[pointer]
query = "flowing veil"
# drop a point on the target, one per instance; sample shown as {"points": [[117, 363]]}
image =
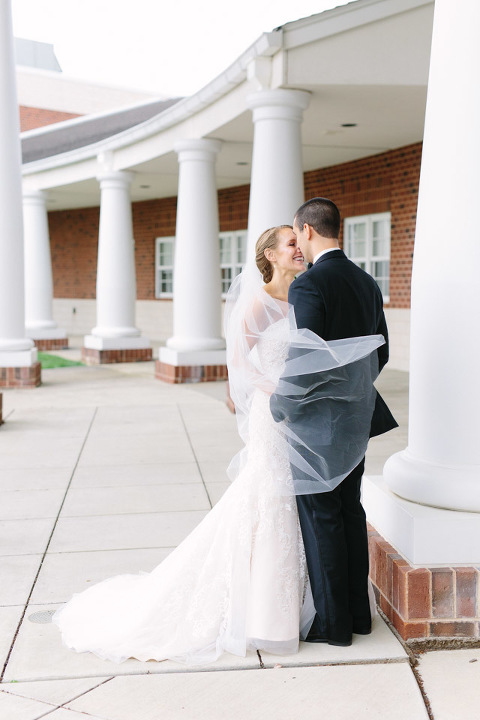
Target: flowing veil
{"points": [[322, 393]]}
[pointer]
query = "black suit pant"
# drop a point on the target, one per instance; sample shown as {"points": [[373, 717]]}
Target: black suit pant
{"points": [[336, 545]]}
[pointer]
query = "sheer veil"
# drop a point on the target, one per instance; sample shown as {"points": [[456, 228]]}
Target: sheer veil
{"points": [[321, 393]]}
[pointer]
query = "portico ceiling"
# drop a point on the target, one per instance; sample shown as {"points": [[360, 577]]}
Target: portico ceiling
{"points": [[365, 64]]}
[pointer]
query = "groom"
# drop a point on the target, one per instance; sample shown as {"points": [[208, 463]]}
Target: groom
{"points": [[336, 299]]}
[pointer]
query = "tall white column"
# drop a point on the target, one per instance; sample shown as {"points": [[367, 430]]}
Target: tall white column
{"points": [[116, 283], [197, 288], [276, 189], [15, 349], [38, 269], [441, 465]]}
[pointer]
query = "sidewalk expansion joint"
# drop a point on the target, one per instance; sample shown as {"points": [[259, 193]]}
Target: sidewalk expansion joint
{"points": [[419, 681], [22, 617], [194, 453], [413, 660]]}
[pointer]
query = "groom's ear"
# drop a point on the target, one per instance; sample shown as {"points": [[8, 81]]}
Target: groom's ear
{"points": [[307, 229]]}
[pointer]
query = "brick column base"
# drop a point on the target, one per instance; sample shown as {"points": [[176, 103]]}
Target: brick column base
{"points": [[21, 377], [102, 357], [51, 344], [436, 602], [189, 373]]}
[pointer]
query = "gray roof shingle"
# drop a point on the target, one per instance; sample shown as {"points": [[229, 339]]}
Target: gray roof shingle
{"points": [[71, 135]]}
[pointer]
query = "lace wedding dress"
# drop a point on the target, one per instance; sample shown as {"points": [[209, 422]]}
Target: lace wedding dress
{"points": [[237, 582]]}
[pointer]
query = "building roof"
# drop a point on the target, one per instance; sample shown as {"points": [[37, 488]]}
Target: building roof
{"points": [[73, 134], [364, 64]]}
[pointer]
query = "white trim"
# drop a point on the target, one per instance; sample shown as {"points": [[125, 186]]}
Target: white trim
{"points": [[235, 266], [344, 18], [192, 357], [426, 536], [368, 259], [159, 295]]}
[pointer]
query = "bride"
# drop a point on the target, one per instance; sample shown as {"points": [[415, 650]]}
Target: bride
{"points": [[239, 580]]}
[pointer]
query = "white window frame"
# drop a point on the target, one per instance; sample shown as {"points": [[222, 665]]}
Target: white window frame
{"points": [[238, 236], [369, 259], [159, 268]]}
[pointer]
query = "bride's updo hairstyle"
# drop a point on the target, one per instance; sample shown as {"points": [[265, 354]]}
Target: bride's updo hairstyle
{"points": [[267, 240]]}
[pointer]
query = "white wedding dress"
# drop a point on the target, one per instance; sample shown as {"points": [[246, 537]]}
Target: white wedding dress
{"points": [[237, 582]]}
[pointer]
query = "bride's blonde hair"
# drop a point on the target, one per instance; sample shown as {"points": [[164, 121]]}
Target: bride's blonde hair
{"points": [[267, 240]]}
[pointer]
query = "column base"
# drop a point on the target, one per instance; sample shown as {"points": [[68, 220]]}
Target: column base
{"points": [[174, 366], [48, 338], [101, 351], [51, 344], [103, 357], [27, 376], [423, 603], [423, 565], [424, 535]]}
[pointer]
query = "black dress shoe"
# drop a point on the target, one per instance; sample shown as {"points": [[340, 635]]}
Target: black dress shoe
{"points": [[362, 630], [329, 641]]}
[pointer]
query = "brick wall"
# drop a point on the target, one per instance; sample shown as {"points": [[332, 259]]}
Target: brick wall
{"points": [[74, 240], [380, 183], [31, 118], [151, 219], [74, 246], [233, 208]]}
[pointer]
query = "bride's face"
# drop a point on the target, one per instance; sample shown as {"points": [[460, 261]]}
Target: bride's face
{"points": [[287, 255]]}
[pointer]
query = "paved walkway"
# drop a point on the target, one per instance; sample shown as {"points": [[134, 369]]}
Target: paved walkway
{"points": [[103, 471]]}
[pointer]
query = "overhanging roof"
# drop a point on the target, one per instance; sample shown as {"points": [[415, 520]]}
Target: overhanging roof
{"points": [[364, 63]]}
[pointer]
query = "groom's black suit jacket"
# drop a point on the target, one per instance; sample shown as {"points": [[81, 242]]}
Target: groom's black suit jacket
{"points": [[336, 299]]}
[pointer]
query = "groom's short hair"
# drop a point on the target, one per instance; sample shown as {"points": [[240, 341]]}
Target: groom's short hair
{"points": [[322, 215]]}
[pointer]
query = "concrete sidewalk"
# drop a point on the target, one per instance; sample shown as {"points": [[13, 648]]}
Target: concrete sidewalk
{"points": [[103, 470]]}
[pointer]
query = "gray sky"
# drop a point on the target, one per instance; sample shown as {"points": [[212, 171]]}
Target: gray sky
{"points": [[172, 47]]}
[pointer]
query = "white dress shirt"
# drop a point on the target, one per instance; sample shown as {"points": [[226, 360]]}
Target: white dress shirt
{"points": [[323, 252]]}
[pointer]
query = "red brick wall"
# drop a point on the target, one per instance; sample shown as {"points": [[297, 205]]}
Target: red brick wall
{"points": [[380, 183], [233, 208], [74, 246], [74, 240], [31, 118], [151, 219]]}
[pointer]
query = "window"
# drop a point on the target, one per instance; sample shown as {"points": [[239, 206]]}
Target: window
{"points": [[233, 253], [367, 244], [164, 267]]}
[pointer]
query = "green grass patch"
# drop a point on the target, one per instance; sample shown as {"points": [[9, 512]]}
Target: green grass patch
{"points": [[53, 361]]}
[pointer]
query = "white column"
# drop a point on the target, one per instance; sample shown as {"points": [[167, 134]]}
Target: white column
{"points": [[276, 189], [38, 269], [197, 288], [116, 283], [15, 349], [441, 465]]}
